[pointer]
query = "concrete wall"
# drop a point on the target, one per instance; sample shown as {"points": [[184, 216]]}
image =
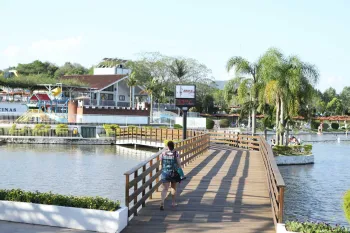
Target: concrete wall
{"points": [[128, 120], [294, 160], [67, 217], [113, 70], [57, 140], [192, 122]]}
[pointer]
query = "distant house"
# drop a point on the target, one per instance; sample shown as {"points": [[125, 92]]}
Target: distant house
{"points": [[108, 87]]}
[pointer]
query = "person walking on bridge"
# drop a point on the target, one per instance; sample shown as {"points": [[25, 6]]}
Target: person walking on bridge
{"points": [[171, 163]]}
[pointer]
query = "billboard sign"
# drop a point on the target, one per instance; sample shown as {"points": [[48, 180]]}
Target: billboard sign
{"points": [[185, 92], [185, 95]]}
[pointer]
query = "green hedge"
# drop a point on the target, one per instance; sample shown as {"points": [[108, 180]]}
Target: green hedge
{"points": [[311, 227], [293, 150], [224, 123], [335, 125], [111, 129], [41, 130], [347, 205], [177, 126], [97, 203], [315, 124], [209, 123]]}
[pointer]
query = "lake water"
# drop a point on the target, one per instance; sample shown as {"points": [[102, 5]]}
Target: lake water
{"points": [[87, 170], [315, 191]]}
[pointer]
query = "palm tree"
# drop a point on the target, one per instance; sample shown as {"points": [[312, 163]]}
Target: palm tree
{"points": [[288, 83], [252, 72], [179, 70], [131, 82], [150, 89]]}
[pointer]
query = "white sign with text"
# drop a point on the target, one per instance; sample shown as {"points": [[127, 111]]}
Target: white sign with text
{"points": [[185, 92]]}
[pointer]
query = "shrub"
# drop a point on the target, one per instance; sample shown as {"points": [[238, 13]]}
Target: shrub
{"points": [[62, 126], [335, 125], [25, 131], [110, 129], [163, 127], [292, 150], [177, 126], [110, 126], [314, 227], [347, 205], [62, 130], [315, 124], [41, 130], [209, 123], [97, 203], [325, 126], [224, 123]]}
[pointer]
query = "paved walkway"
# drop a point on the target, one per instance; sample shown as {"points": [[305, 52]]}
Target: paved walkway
{"points": [[226, 191]]}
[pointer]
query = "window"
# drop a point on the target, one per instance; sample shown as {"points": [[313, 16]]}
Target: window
{"points": [[105, 96], [110, 88], [122, 97]]}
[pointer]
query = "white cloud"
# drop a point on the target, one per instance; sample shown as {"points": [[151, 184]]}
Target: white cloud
{"points": [[11, 51]]}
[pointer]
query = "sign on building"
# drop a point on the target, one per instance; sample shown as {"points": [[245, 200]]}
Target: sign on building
{"points": [[185, 95]]}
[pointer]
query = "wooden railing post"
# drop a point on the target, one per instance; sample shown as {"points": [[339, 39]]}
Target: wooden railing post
{"points": [[280, 205], [127, 187], [150, 176], [143, 182], [157, 170], [135, 189]]}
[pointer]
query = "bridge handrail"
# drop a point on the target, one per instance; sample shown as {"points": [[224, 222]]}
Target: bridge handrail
{"points": [[148, 172], [154, 134], [275, 181]]}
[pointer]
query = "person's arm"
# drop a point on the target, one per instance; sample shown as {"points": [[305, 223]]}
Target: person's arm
{"points": [[178, 159]]}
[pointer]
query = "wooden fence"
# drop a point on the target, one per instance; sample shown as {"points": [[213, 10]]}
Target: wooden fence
{"points": [[236, 140], [153, 135], [143, 179], [274, 179]]}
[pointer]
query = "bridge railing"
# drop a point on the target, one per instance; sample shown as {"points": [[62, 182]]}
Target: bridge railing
{"points": [[143, 180], [236, 140], [153, 135], [275, 181]]}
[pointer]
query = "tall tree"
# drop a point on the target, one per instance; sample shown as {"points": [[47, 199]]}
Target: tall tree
{"points": [[329, 94], [288, 84], [251, 71], [345, 98], [179, 70], [131, 82]]}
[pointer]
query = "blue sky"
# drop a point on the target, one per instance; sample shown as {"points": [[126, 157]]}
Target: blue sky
{"points": [[85, 31]]}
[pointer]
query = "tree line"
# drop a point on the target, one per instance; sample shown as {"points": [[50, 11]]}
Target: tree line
{"points": [[280, 87], [158, 73]]}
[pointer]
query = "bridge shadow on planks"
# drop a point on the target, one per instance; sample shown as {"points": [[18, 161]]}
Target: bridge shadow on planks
{"points": [[226, 191]]}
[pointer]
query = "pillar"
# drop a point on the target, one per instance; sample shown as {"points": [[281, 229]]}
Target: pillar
{"points": [[72, 111]]}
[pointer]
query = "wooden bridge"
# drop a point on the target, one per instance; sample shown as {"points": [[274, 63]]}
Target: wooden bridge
{"points": [[233, 185]]}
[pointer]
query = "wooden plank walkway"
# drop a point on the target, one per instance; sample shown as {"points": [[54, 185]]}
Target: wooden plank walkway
{"points": [[226, 191]]}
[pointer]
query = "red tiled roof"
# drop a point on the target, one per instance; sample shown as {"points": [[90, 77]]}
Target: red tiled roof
{"points": [[43, 97], [96, 81]]}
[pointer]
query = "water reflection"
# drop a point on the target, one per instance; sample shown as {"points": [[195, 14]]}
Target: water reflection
{"points": [[68, 169]]}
